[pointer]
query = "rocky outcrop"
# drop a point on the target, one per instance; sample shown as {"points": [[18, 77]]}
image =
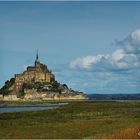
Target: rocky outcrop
{"points": [[64, 93], [1, 97], [51, 95], [10, 98]]}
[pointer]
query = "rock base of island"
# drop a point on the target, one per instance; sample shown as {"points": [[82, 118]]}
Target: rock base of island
{"points": [[44, 96]]}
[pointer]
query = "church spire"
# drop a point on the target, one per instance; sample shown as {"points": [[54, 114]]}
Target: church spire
{"points": [[37, 55], [37, 61]]}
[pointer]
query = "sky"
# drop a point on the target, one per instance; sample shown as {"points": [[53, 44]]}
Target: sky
{"points": [[93, 47]]}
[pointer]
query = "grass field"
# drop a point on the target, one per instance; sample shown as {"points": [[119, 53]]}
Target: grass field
{"points": [[76, 120]]}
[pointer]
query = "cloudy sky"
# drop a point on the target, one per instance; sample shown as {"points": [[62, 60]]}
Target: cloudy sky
{"points": [[91, 46]]}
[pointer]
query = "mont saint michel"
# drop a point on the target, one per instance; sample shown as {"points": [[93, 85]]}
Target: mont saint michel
{"points": [[37, 83], [84, 80]]}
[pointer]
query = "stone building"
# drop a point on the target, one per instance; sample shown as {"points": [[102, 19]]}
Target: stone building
{"points": [[37, 73]]}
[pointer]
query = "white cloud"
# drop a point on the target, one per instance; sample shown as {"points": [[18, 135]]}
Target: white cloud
{"points": [[116, 59], [131, 44], [118, 55], [126, 58], [87, 61], [136, 36]]}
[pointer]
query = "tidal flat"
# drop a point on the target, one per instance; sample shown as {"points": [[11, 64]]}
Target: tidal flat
{"points": [[75, 120]]}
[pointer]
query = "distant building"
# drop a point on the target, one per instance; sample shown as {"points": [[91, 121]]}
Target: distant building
{"points": [[37, 73]]}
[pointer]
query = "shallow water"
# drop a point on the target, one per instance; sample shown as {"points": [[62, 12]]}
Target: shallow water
{"points": [[28, 108]]}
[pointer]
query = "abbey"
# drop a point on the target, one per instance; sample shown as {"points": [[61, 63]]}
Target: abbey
{"points": [[37, 73], [37, 83]]}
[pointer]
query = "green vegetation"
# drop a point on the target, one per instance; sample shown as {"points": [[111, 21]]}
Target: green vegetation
{"points": [[85, 119], [21, 94], [5, 89]]}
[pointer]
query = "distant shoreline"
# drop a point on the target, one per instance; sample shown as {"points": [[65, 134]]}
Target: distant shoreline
{"points": [[114, 96]]}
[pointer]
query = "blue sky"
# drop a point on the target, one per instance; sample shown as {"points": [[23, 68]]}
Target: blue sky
{"points": [[92, 46]]}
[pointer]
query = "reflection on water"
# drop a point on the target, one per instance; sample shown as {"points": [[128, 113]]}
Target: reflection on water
{"points": [[29, 108]]}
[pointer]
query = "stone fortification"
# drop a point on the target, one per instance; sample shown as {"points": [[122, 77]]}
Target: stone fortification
{"points": [[37, 83], [37, 73]]}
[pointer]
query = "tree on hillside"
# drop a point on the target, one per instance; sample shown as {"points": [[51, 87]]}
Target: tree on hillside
{"points": [[5, 89]]}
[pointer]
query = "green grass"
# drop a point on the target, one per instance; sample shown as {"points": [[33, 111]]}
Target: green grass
{"points": [[83, 119]]}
